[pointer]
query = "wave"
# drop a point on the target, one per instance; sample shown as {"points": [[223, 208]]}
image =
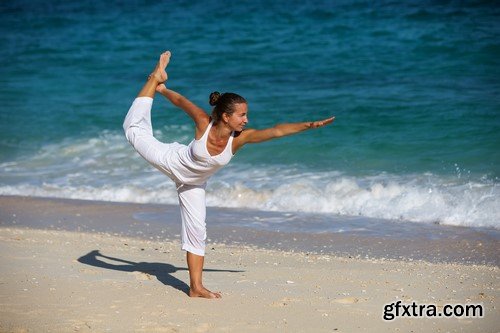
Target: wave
{"points": [[106, 168], [423, 198], [470, 204]]}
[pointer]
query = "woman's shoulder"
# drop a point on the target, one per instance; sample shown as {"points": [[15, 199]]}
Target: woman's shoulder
{"points": [[202, 126], [243, 134]]}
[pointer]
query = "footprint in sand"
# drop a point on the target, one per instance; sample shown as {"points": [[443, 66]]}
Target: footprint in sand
{"points": [[89, 271], [284, 302], [346, 300], [204, 327], [152, 328]]}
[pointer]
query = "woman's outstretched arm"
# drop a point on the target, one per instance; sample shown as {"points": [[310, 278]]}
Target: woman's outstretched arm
{"points": [[280, 130], [199, 116]]}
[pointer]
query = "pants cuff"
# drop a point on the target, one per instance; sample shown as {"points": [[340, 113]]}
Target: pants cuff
{"points": [[189, 248]]}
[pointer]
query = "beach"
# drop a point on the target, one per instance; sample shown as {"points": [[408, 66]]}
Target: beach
{"points": [[69, 275], [386, 220]]}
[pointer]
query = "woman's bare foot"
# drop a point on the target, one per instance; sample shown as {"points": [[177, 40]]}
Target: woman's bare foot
{"points": [[203, 292], [159, 74]]}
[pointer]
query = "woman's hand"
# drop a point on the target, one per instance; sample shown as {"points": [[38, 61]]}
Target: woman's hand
{"points": [[321, 123], [161, 88]]}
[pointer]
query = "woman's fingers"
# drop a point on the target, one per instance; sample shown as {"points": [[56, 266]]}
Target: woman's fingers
{"points": [[329, 120], [324, 122]]}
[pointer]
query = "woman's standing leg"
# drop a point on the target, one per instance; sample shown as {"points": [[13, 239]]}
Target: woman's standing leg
{"points": [[196, 288], [193, 213]]}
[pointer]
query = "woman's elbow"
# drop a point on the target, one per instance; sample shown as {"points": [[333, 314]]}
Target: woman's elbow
{"points": [[177, 100], [277, 132]]}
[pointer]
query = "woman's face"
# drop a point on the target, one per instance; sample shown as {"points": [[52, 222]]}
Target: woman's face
{"points": [[238, 119]]}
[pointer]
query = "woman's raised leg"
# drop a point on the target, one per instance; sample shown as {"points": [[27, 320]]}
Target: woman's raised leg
{"points": [[159, 75], [137, 124]]}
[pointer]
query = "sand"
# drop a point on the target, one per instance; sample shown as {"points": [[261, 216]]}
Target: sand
{"points": [[90, 281]]}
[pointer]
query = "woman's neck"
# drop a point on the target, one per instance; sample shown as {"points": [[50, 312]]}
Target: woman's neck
{"points": [[221, 130]]}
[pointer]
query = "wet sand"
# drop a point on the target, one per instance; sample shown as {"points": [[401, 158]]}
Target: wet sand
{"points": [[340, 236]]}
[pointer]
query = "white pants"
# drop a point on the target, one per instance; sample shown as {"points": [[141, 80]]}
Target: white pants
{"points": [[193, 214], [139, 133]]}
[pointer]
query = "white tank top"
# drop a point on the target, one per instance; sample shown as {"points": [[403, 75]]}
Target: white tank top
{"points": [[193, 164]]}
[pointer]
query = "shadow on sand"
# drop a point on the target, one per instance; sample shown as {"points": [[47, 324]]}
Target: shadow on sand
{"points": [[162, 271]]}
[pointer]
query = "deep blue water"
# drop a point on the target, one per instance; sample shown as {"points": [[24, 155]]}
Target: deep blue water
{"points": [[414, 86]]}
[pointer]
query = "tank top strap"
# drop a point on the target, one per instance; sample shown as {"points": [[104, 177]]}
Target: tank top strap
{"points": [[229, 146], [204, 137]]}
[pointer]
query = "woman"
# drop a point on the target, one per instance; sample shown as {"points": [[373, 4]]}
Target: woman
{"points": [[217, 138]]}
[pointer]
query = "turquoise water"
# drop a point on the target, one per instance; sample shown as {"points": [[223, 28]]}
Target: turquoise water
{"points": [[414, 87]]}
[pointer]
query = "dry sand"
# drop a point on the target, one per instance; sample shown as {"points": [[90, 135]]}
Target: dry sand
{"points": [[52, 281]]}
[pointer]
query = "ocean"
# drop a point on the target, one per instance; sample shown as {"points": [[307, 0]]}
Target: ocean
{"points": [[414, 86]]}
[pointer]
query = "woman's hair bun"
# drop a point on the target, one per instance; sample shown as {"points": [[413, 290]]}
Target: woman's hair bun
{"points": [[214, 97]]}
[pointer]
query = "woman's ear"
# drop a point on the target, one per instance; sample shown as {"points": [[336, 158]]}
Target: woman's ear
{"points": [[225, 118]]}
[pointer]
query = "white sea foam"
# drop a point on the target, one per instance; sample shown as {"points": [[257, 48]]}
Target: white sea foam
{"points": [[106, 168], [425, 199]]}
